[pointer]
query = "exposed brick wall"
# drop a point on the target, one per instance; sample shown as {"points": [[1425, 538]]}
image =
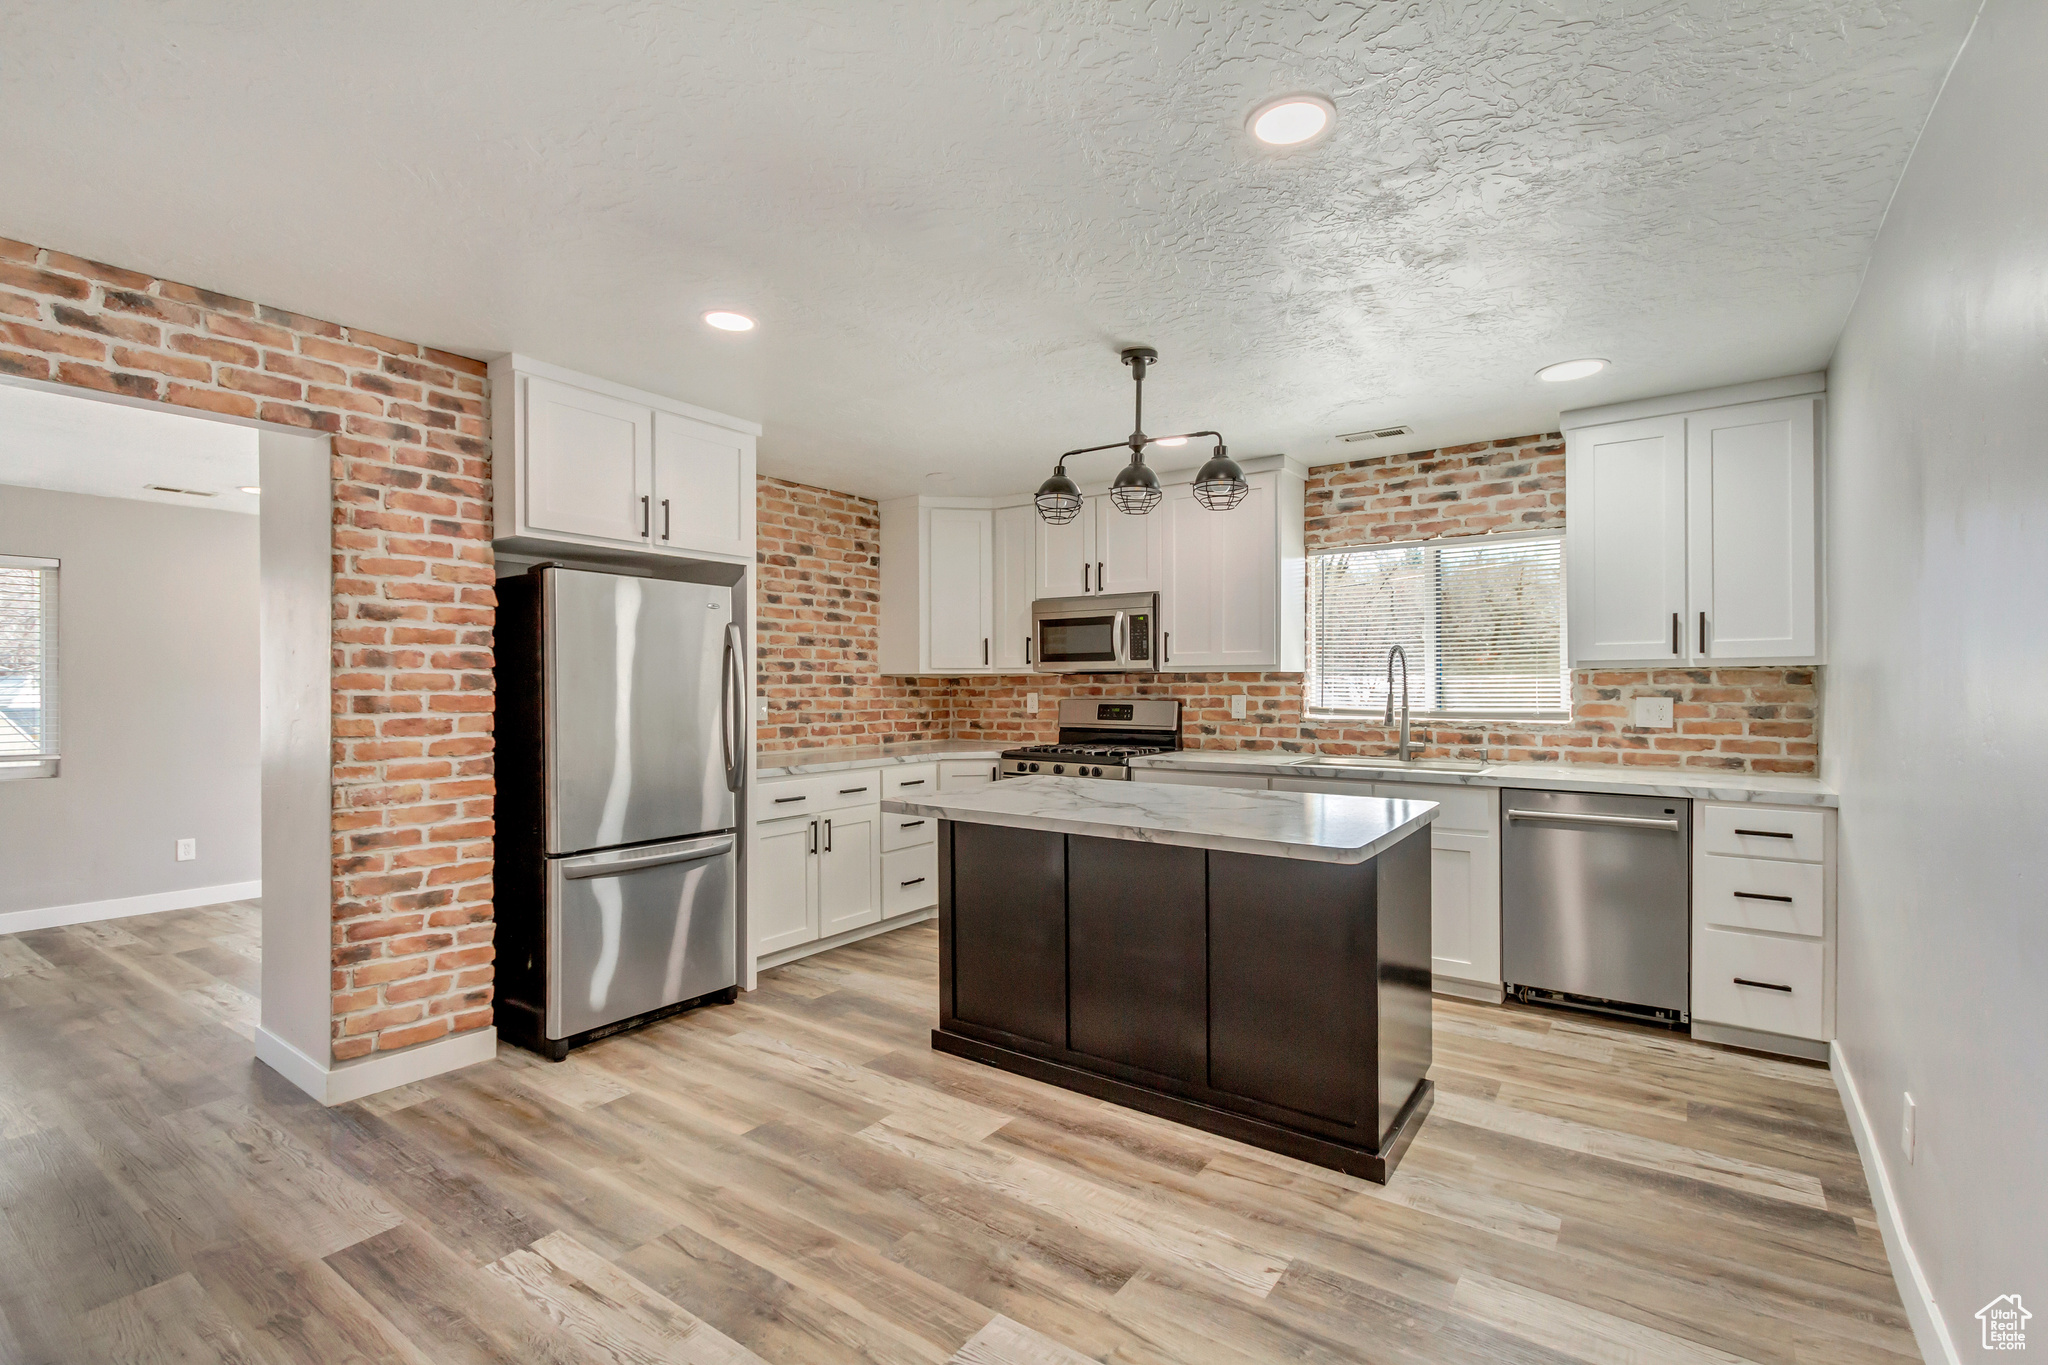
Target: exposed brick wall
{"points": [[1729, 719], [413, 599], [816, 633]]}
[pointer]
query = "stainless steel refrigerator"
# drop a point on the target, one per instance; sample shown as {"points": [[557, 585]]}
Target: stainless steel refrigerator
{"points": [[621, 732]]}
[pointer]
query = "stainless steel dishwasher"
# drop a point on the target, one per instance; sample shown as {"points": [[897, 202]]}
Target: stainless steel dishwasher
{"points": [[1596, 901]]}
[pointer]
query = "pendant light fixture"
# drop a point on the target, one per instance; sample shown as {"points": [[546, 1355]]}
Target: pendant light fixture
{"points": [[1219, 486]]}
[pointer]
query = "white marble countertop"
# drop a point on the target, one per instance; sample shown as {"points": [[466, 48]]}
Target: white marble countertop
{"points": [[1306, 825], [1763, 788], [830, 759]]}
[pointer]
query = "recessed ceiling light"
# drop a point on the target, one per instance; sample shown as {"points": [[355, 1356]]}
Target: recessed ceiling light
{"points": [[1291, 120], [730, 322], [1570, 369], [1171, 441], [250, 488]]}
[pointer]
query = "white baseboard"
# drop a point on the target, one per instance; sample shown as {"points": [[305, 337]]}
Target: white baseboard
{"points": [[351, 1080], [1486, 993], [1756, 1040], [85, 912], [1936, 1347], [777, 959]]}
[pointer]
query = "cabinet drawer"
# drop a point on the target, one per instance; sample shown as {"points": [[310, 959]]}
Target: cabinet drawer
{"points": [[1786, 973], [960, 773], [1471, 809], [910, 779], [856, 788], [1758, 893], [910, 879], [1764, 832], [905, 831], [780, 798]]}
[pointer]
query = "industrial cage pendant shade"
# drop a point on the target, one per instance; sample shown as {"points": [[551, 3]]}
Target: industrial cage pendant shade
{"points": [[1219, 485]]}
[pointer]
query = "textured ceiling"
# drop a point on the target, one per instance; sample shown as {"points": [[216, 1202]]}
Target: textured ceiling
{"points": [[948, 215], [114, 450]]}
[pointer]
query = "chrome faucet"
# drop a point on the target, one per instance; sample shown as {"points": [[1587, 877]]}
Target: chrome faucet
{"points": [[1398, 653]]}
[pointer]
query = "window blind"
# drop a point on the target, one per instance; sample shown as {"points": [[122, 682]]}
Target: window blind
{"points": [[28, 663], [1481, 621]]}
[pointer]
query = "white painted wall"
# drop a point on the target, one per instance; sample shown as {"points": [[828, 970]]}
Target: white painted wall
{"points": [[1937, 717], [157, 671]]}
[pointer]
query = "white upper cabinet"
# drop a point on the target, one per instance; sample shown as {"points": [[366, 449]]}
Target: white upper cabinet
{"points": [[1015, 534], [588, 463], [1625, 540], [1693, 536], [582, 464], [1751, 528], [1233, 581], [1102, 550], [961, 577]]}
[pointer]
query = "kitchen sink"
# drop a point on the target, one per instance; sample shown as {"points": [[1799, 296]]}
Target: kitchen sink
{"points": [[1395, 765]]}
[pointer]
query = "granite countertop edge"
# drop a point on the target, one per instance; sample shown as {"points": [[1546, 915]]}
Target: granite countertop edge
{"points": [[799, 762]]}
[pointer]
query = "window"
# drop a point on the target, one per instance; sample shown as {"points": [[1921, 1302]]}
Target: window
{"points": [[1480, 621], [28, 667]]}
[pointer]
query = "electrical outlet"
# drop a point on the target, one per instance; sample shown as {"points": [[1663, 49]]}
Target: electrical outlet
{"points": [[1237, 706], [1651, 713], [188, 849], [1030, 703], [1907, 1112]]}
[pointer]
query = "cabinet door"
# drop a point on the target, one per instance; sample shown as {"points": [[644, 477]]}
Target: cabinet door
{"points": [[1243, 579], [1064, 555], [782, 885], [588, 463], [1130, 551], [959, 569], [1013, 587], [703, 487], [1464, 887], [1186, 601], [1750, 512], [1625, 541], [849, 876]]}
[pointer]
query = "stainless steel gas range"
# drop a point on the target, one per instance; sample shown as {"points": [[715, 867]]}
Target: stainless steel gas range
{"points": [[1098, 738]]}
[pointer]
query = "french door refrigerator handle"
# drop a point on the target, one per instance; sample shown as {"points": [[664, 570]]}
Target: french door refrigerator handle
{"points": [[728, 708], [1588, 818]]}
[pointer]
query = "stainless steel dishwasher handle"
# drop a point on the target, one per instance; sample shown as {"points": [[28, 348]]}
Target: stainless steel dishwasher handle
{"points": [[638, 859], [1583, 818]]}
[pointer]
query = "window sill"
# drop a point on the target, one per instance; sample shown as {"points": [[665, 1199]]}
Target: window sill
{"points": [[18, 772], [1376, 719]]}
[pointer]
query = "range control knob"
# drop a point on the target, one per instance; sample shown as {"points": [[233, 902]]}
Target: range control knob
{"points": [[1096, 773], [1059, 767], [1034, 767]]}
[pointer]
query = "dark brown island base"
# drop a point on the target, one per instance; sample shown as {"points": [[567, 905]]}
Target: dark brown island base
{"points": [[1280, 998]]}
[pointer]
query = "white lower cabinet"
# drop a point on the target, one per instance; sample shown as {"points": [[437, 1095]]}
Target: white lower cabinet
{"points": [[1763, 925], [838, 864]]}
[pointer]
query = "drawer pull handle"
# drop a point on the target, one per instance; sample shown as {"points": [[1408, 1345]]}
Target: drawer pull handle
{"points": [[1762, 985], [851, 791], [1768, 833], [785, 800], [913, 782], [912, 882], [910, 824], [1760, 896]]}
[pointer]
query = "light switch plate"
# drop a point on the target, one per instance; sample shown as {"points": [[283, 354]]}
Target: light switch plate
{"points": [[761, 710], [1237, 706], [188, 849], [1651, 713], [1030, 703]]}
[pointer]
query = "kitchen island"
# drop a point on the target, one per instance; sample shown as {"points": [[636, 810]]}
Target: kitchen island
{"points": [[1254, 964]]}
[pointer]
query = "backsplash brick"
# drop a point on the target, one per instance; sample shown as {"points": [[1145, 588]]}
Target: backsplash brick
{"points": [[414, 604], [818, 641]]}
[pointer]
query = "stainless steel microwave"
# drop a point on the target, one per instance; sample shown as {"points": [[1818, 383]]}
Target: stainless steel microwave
{"points": [[1106, 634]]}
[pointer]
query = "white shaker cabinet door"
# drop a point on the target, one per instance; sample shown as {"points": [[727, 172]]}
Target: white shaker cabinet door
{"points": [[849, 869], [1014, 535], [1464, 857], [588, 463], [1065, 555], [1625, 541], [1755, 566], [960, 564], [703, 487], [1187, 615], [782, 885], [1130, 551]]}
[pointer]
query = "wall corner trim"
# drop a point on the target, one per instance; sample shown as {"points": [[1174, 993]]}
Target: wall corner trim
{"points": [[1929, 1330], [353, 1080], [156, 902]]}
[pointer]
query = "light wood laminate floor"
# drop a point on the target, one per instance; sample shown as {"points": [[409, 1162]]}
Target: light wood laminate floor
{"points": [[800, 1178]]}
